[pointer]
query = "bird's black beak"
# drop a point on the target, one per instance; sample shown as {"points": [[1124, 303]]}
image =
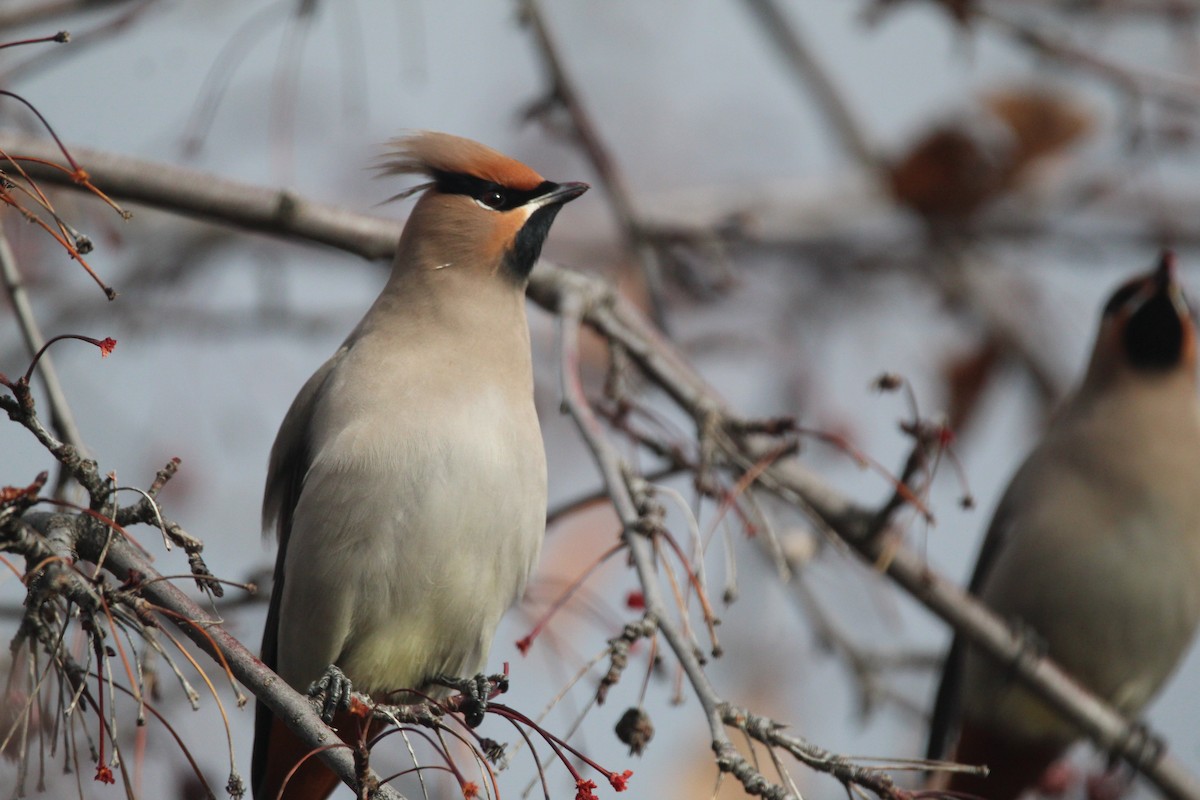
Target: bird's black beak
{"points": [[1164, 282], [1155, 322], [563, 193], [1165, 277]]}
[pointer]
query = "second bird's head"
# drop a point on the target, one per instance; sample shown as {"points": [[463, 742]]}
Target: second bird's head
{"points": [[1147, 328], [480, 211]]}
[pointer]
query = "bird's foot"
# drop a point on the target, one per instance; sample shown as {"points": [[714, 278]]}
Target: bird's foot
{"points": [[475, 693], [333, 689], [1143, 745]]}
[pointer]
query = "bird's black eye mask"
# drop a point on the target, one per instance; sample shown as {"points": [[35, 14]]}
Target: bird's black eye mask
{"points": [[491, 194], [1123, 295]]}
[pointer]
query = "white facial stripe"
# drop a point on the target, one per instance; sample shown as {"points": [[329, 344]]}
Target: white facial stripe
{"points": [[537, 202], [527, 209]]}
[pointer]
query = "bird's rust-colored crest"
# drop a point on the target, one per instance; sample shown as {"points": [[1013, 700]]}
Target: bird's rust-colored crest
{"points": [[430, 152]]}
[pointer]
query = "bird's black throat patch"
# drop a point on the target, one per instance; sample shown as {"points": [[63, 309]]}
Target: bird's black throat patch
{"points": [[527, 245], [1154, 335]]}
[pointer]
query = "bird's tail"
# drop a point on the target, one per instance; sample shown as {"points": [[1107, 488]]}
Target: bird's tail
{"points": [[1013, 767], [311, 780]]}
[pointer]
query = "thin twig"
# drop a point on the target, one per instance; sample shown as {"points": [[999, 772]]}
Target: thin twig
{"points": [[784, 33], [61, 418], [641, 549], [615, 185], [1139, 81]]}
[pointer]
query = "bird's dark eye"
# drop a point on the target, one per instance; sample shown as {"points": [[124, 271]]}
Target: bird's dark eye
{"points": [[492, 198]]}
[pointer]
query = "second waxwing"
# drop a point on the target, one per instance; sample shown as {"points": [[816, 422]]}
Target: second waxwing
{"points": [[1094, 547]]}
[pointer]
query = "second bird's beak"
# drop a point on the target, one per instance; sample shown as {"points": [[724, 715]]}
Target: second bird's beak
{"points": [[1164, 276], [1165, 282]]}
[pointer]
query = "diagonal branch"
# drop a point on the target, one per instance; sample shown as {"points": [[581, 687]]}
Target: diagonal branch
{"points": [[789, 479], [629, 495], [53, 542], [127, 564]]}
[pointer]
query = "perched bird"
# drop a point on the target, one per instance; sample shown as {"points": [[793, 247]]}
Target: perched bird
{"points": [[407, 483], [1094, 547]]}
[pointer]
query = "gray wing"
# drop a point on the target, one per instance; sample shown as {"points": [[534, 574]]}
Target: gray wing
{"points": [[290, 456], [290, 459], [947, 708]]}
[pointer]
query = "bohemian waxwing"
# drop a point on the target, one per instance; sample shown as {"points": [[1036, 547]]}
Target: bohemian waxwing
{"points": [[407, 483], [1095, 546]]}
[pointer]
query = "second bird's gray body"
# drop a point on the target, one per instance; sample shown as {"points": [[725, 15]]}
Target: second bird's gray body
{"points": [[1096, 548]]}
